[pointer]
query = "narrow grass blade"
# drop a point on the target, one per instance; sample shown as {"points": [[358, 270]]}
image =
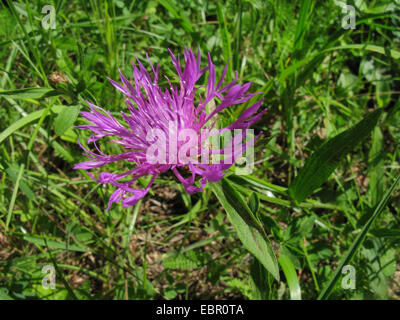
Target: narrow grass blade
{"points": [[33, 45], [302, 24], [22, 167], [14, 195], [171, 8], [357, 243], [29, 93], [226, 39], [60, 273], [255, 182], [22, 122], [13, 171], [291, 277], [54, 244]]}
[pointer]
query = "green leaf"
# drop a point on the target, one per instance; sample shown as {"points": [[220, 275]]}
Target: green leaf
{"points": [[259, 184], [29, 93], [65, 119], [386, 233], [254, 203], [382, 90], [170, 293], [395, 54], [372, 251], [4, 294], [20, 123], [324, 160], [258, 281], [53, 244], [388, 262], [80, 232], [291, 277], [376, 167], [248, 228], [356, 244], [62, 152], [240, 285], [187, 260]]}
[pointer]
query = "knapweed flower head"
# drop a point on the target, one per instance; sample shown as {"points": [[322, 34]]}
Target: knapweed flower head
{"points": [[170, 129]]}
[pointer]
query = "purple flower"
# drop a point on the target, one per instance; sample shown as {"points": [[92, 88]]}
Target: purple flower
{"points": [[157, 117]]}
